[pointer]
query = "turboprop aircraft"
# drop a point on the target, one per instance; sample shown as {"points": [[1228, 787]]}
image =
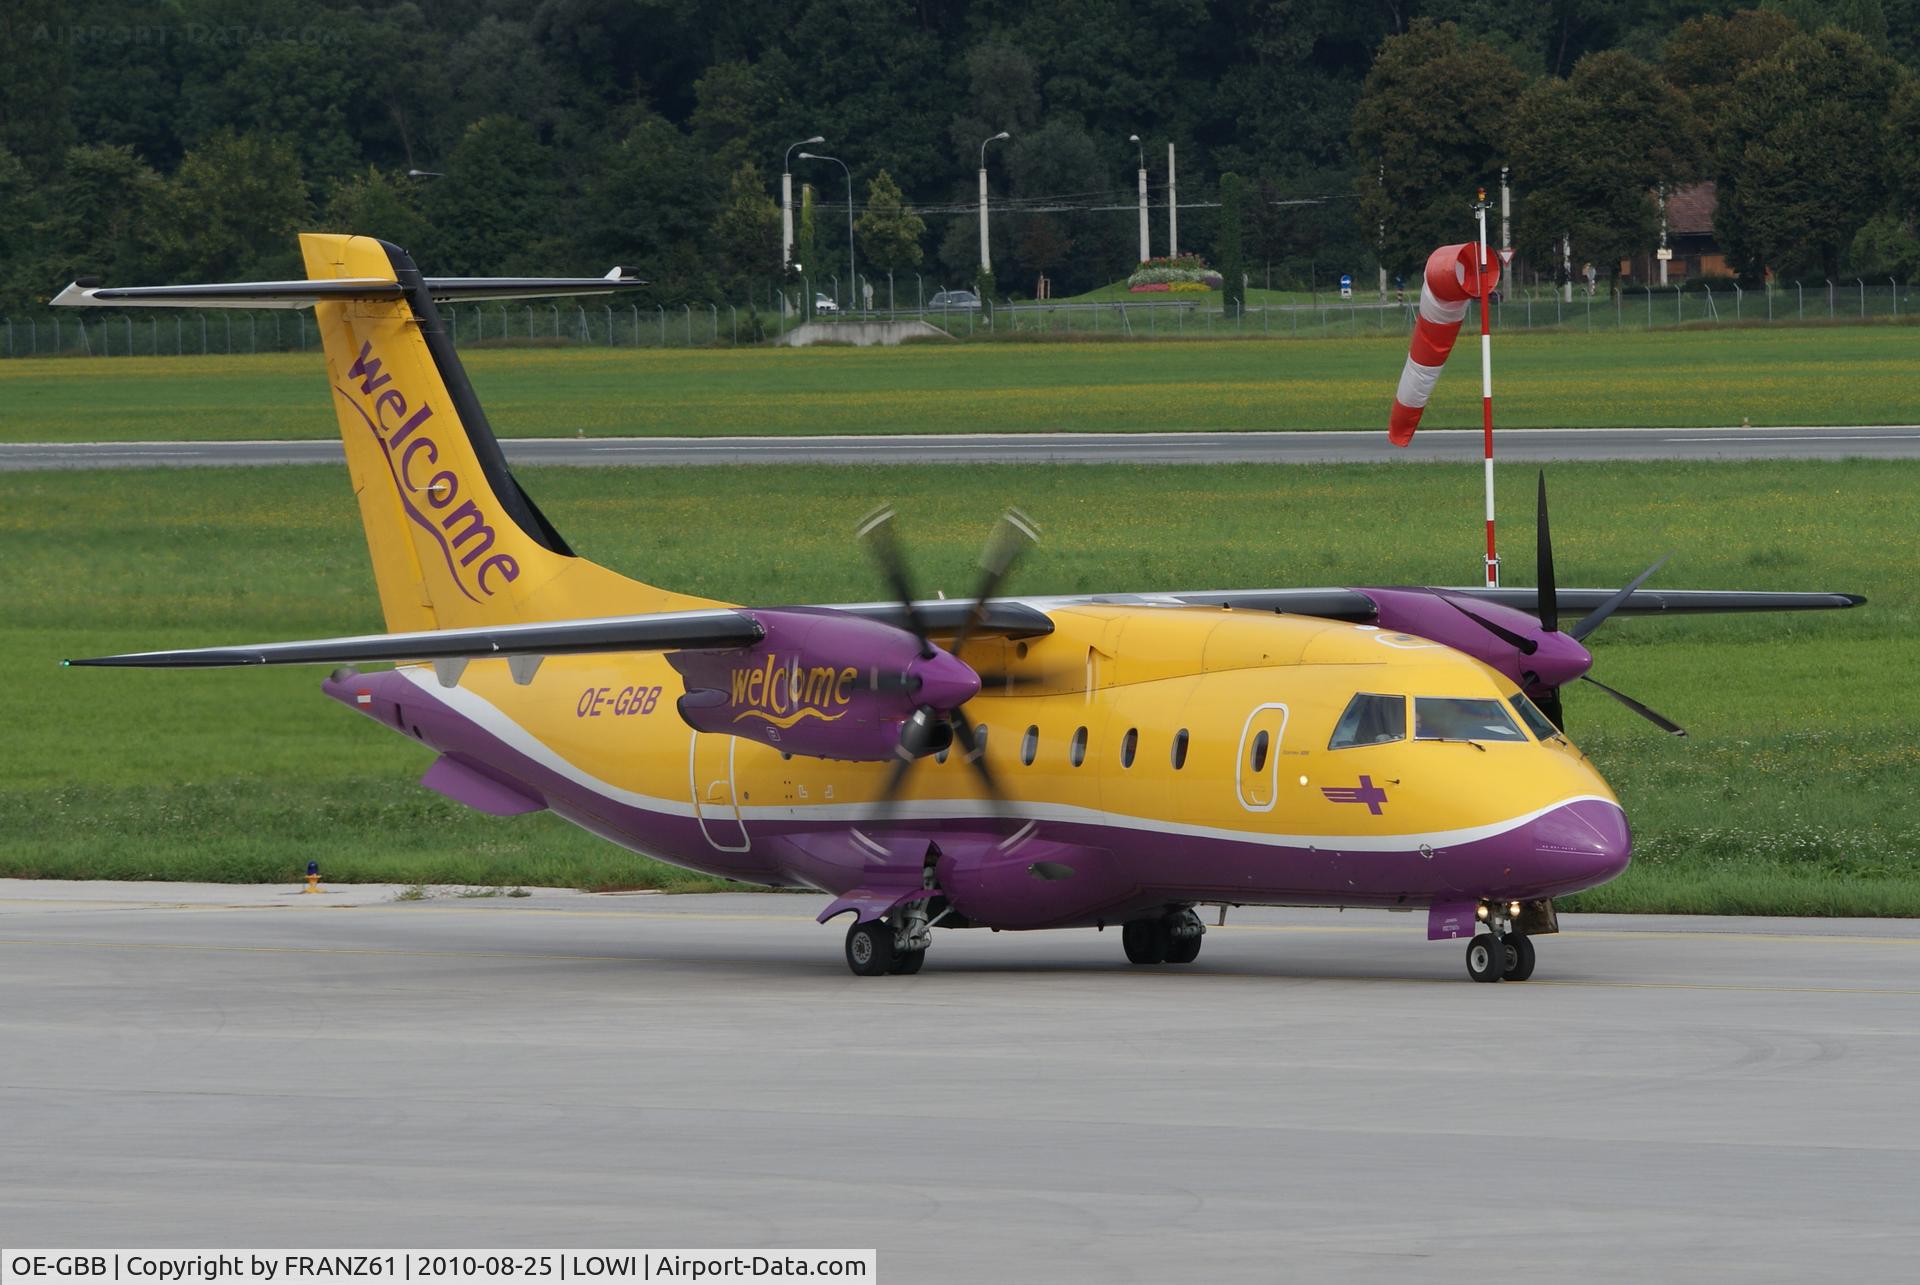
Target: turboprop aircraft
{"points": [[997, 762]]}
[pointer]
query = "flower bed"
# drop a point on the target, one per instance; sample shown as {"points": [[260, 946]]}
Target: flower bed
{"points": [[1186, 272]]}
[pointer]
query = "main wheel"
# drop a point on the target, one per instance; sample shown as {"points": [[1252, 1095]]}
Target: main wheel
{"points": [[908, 962], [870, 948], [1184, 950], [1518, 964], [1146, 941], [1486, 959]]}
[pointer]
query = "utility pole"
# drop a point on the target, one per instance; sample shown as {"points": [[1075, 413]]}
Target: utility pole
{"points": [[1146, 251], [1566, 266], [1380, 234], [1173, 209], [986, 256], [786, 201], [1506, 216], [1666, 255]]}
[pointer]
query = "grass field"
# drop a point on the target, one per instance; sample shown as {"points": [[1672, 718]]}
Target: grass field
{"points": [[1807, 375], [1795, 793]]}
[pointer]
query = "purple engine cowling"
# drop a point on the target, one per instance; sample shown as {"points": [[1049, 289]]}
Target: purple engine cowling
{"points": [[820, 683], [1427, 613]]}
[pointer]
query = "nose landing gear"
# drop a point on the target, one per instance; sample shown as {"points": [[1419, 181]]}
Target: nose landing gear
{"points": [[1504, 954]]}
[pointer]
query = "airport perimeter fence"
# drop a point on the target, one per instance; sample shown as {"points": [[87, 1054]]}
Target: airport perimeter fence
{"points": [[165, 332]]}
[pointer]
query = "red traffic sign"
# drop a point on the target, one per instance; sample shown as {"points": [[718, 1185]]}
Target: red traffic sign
{"points": [[1506, 258]]}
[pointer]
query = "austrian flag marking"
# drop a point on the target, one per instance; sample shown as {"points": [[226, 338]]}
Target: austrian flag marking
{"points": [[1366, 792], [363, 697]]}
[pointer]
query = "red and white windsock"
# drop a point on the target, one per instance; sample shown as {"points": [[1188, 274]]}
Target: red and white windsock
{"points": [[1450, 281]]}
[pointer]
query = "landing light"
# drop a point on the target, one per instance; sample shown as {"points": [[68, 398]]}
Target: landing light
{"points": [[1303, 780], [1480, 911], [1513, 909]]}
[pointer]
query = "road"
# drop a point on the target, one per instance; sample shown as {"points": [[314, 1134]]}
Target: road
{"points": [[1523, 444], [1321, 1097]]}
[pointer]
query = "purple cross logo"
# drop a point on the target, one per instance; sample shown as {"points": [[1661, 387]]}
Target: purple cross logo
{"points": [[1366, 792]]}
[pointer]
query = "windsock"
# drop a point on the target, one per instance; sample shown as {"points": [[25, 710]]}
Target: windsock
{"points": [[1449, 282]]}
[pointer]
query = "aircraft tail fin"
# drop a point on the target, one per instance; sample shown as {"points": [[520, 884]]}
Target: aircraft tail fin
{"points": [[456, 542]]}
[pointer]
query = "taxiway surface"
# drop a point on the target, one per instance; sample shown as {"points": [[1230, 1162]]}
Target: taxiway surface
{"points": [[1321, 1097], [1517, 444]]}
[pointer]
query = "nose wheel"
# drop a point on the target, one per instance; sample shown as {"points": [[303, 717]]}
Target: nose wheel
{"points": [[1494, 957]]}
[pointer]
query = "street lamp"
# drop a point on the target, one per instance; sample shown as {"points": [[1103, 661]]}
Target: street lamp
{"points": [[986, 260], [1145, 249], [425, 174], [853, 278], [786, 198]]}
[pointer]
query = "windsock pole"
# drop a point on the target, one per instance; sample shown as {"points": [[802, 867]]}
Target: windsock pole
{"points": [[1486, 384]]}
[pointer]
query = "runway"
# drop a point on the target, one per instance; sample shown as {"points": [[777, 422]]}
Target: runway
{"points": [[1321, 1097], [1519, 444]]}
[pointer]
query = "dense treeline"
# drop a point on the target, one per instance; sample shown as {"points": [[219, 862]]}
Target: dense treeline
{"points": [[190, 139]]}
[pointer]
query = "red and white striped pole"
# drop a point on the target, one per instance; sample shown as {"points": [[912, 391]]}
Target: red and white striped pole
{"points": [[1486, 382]]}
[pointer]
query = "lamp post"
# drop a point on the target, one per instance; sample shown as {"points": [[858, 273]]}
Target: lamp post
{"points": [[1173, 209], [986, 259], [853, 278], [1146, 251], [786, 199]]}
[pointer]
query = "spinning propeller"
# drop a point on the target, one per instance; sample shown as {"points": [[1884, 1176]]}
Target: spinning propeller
{"points": [[930, 729], [1548, 609]]}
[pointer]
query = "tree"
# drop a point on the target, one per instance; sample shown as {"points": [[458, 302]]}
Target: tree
{"points": [[889, 232], [497, 210], [233, 211], [1425, 132], [1800, 169], [1588, 153], [1706, 55], [1229, 251], [381, 204], [747, 233]]}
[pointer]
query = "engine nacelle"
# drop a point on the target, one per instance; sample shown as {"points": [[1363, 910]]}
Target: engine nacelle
{"points": [[821, 683]]}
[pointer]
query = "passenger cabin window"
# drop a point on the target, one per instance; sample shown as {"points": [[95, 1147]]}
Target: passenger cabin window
{"points": [[1258, 754], [1030, 746], [1370, 720], [1179, 749], [1446, 718], [1537, 722], [1129, 746], [1077, 748]]}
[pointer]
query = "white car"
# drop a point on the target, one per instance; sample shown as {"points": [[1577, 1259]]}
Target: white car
{"points": [[823, 304]]}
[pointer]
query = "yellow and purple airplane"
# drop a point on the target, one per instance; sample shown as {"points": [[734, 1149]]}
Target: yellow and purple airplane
{"points": [[998, 762]]}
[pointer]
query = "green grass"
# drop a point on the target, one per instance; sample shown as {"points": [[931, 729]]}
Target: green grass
{"points": [[1809, 375], [1794, 795]]}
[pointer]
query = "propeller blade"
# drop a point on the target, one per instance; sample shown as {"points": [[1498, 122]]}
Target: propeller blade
{"points": [[1598, 616], [1658, 720], [1549, 605], [890, 792], [1011, 536], [976, 751], [877, 531], [1527, 646]]}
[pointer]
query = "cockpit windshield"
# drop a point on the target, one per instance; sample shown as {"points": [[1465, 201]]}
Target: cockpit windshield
{"points": [[1370, 720], [1447, 718]]}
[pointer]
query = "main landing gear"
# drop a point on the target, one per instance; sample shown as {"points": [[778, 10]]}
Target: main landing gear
{"points": [[1504, 954], [876, 947], [1170, 939]]}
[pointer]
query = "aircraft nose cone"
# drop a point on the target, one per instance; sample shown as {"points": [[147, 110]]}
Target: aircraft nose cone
{"points": [[946, 681], [1581, 844], [1559, 661]]}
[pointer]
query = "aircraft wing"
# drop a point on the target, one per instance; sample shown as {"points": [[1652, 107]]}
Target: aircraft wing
{"points": [[726, 627], [720, 627]]}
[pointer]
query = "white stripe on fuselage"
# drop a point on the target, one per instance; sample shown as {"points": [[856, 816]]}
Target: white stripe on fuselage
{"points": [[494, 721]]}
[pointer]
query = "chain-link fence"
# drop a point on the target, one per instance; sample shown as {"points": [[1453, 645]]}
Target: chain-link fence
{"points": [[156, 332]]}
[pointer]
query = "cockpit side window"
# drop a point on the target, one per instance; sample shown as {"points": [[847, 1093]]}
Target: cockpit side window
{"points": [[1447, 718], [1370, 720], [1538, 723]]}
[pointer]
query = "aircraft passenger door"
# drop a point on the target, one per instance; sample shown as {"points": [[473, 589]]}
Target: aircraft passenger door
{"points": [[1258, 778], [716, 804]]}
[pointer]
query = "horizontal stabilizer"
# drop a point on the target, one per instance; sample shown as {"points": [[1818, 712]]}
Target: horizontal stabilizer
{"points": [[304, 294]]}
